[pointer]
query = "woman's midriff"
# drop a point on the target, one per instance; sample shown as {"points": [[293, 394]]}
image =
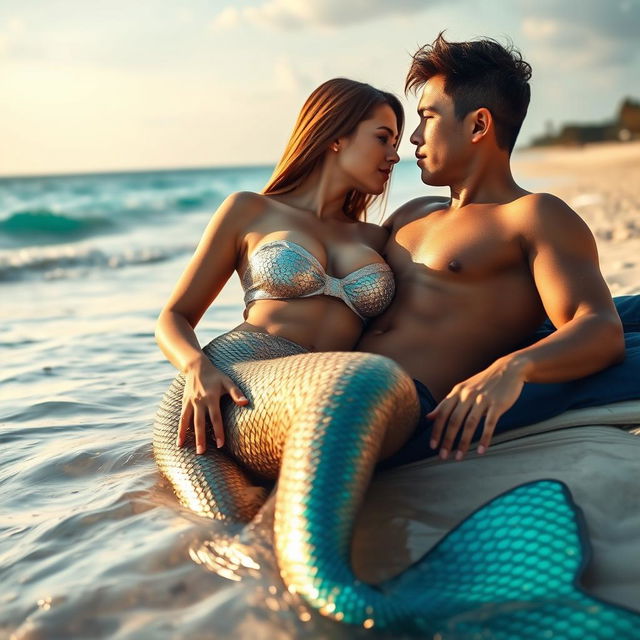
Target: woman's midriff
{"points": [[320, 323]]}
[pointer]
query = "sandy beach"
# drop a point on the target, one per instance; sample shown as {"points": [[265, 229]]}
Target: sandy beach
{"points": [[602, 183]]}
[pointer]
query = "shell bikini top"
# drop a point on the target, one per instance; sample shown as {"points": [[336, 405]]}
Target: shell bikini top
{"points": [[283, 269]]}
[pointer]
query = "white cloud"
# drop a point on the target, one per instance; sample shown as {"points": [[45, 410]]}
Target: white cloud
{"points": [[583, 33], [294, 14], [185, 16], [286, 77], [538, 27], [11, 34], [16, 26], [566, 47], [228, 18]]}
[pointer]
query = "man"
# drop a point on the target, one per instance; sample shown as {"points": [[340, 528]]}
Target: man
{"points": [[476, 273]]}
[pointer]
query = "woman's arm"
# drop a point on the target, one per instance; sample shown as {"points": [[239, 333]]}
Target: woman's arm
{"points": [[209, 269]]}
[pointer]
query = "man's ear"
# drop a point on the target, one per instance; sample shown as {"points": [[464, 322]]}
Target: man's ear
{"points": [[481, 123]]}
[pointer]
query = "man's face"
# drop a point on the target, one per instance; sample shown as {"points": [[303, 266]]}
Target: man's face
{"points": [[441, 146]]}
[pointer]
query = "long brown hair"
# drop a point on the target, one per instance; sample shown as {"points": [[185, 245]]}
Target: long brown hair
{"points": [[332, 111]]}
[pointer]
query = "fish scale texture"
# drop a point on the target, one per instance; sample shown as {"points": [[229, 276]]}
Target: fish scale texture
{"points": [[316, 421], [511, 569], [283, 269]]}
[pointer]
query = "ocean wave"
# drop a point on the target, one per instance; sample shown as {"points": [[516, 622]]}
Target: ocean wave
{"points": [[187, 202], [68, 261], [84, 199], [41, 222], [56, 224]]}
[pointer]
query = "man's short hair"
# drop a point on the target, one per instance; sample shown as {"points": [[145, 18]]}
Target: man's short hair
{"points": [[478, 73]]}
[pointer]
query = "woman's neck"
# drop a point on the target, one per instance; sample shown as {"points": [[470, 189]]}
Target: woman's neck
{"points": [[322, 193]]}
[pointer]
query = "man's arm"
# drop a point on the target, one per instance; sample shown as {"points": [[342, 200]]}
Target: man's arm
{"points": [[564, 263]]}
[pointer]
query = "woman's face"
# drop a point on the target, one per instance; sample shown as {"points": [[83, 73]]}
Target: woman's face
{"points": [[369, 153]]}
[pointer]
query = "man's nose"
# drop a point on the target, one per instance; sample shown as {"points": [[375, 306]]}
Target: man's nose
{"points": [[416, 138]]}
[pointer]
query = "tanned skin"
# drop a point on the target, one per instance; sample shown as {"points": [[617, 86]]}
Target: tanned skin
{"points": [[477, 272]]}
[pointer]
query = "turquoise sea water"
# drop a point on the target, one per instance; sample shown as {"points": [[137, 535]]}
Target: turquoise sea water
{"points": [[92, 542]]}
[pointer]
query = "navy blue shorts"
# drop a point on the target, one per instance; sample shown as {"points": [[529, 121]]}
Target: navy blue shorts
{"points": [[417, 446], [537, 402]]}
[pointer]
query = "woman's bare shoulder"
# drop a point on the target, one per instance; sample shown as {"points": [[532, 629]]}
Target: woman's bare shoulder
{"points": [[245, 201], [238, 210]]}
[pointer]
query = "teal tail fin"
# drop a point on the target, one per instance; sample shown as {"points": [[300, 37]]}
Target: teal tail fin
{"points": [[511, 570]]}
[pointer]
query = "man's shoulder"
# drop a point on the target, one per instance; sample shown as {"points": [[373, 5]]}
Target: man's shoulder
{"points": [[543, 215], [374, 235], [415, 209], [543, 206]]}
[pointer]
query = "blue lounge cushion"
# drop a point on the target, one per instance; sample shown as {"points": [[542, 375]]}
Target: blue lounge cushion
{"points": [[628, 308], [615, 384]]}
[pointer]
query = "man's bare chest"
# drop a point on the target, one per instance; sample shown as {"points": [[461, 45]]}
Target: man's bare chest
{"points": [[461, 247]]}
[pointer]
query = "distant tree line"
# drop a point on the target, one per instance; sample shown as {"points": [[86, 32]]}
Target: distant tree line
{"points": [[625, 127]]}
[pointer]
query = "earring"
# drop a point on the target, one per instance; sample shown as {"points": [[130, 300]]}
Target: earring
{"points": [[334, 147]]}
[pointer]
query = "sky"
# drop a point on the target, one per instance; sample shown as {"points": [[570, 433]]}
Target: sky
{"points": [[88, 85]]}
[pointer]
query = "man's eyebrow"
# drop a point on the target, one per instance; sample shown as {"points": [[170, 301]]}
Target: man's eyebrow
{"points": [[391, 132], [427, 108]]}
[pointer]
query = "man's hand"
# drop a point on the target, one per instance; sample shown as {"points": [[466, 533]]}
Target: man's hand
{"points": [[487, 394]]}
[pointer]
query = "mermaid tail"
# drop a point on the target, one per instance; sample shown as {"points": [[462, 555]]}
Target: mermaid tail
{"points": [[286, 387], [512, 570], [317, 422], [213, 486]]}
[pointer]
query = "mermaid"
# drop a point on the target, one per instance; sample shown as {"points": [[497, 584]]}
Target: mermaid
{"points": [[313, 275]]}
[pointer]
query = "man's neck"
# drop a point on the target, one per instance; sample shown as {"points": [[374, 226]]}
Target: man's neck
{"points": [[487, 181]]}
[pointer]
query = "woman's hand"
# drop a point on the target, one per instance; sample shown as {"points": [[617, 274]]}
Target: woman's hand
{"points": [[204, 386]]}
